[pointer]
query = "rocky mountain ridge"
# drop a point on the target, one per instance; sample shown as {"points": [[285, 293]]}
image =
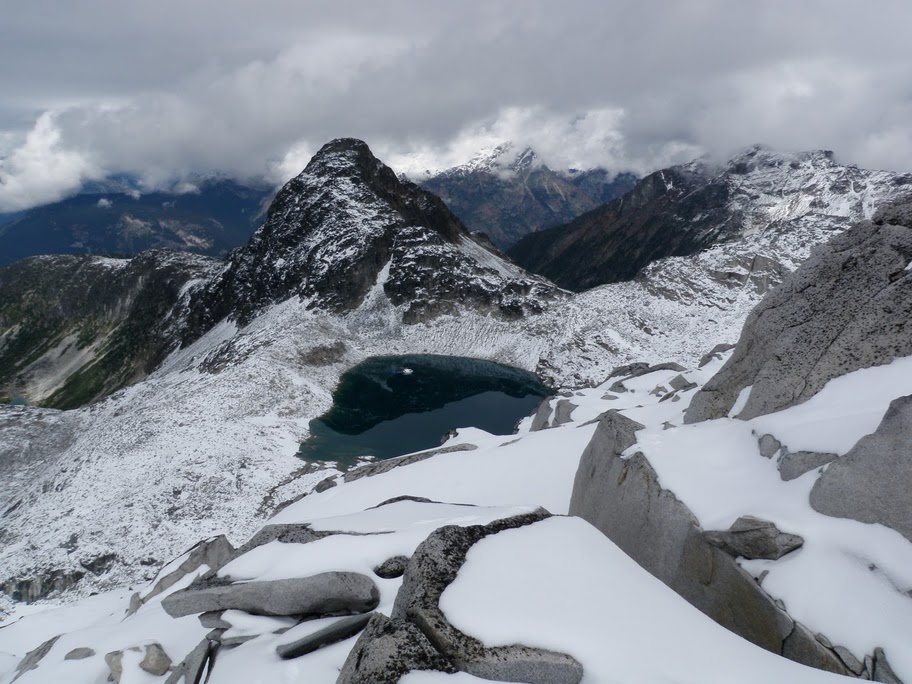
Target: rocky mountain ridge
{"points": [[508, 194], [346, 218], [773, 204], [375, 577]]}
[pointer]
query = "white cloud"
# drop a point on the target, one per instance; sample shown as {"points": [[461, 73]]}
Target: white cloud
{"points": [[104, 203], [251, 92], [41, 169], [562, 141]]}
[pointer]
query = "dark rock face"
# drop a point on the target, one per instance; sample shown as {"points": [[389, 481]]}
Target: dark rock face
{"points": [[847, 307], [871, 483], [40, 585], [509, 201], [329, 593], [52, 308], [624, 500], [751, 538], [685, 209], [333, 229], [674, 212]]}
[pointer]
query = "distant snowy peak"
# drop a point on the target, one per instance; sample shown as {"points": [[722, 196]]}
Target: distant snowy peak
{"points": [[505, 159], [347, 225], [507, 191]]}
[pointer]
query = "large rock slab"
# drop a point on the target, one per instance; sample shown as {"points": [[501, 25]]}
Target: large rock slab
{"points": [[328, 593], [871, 483], [213, 553], [190, 670], [338, 631], [849, 306], [431, 569], [35, 656], [622, 497]]}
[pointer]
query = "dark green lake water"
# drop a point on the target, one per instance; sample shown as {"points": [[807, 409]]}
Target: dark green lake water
{"points": [[381, 410]]}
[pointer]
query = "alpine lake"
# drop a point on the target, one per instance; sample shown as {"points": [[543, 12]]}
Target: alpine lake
{"points": [[387, 406]]}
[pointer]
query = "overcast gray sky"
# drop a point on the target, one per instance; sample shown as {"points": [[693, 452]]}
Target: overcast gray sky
{"points": [[167, 88]]}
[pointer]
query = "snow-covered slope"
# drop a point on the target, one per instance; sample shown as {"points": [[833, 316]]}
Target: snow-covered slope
{"points": [[206, 443], [556, 584]]}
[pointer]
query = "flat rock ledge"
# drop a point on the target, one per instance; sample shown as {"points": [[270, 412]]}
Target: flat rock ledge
{"points": [[418, 636], [328, 593]]}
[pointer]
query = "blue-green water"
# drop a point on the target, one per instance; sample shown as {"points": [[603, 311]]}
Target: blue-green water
{"points": [[392, 405]]}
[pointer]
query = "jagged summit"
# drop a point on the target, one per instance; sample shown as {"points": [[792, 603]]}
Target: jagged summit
{"points": [[346, 224]]}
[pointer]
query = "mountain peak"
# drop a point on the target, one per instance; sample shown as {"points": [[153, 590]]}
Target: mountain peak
{"points": [[345, 157], [347, 225]]}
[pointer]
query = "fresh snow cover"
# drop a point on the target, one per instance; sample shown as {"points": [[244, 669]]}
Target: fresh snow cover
{"points": [[845, 410], [559, 584], [205, 445], [503, 471], [556, 584]]}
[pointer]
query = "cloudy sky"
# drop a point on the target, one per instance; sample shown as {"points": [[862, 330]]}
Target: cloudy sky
{"points": [[167, 88]]}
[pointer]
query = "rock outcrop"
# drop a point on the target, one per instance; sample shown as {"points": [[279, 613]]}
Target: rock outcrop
{"points": [[154, 660], [750, 537], [849, 306], [871, 483], [389, 649], [212, 553], [419, 632], [622, 497], [190, 670]]}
